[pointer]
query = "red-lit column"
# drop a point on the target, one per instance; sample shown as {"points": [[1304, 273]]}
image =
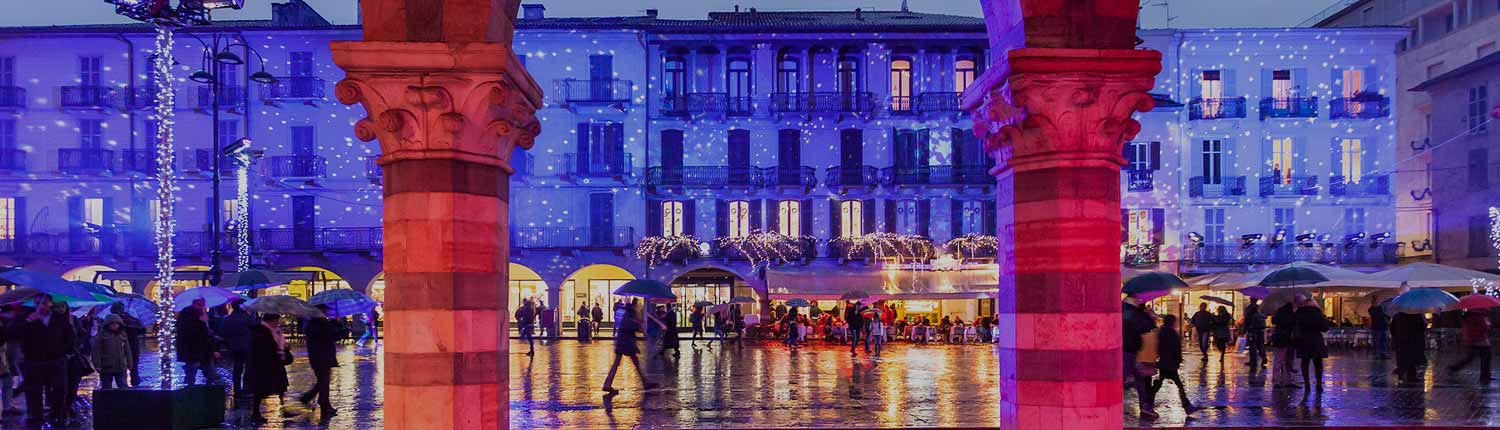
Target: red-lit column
{"points": [[448, 104], [1055, 124]]}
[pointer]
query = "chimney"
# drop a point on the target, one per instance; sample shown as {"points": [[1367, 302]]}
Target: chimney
{"points": [[651, 13], [857, 16], [736, 8], [534, 11]]}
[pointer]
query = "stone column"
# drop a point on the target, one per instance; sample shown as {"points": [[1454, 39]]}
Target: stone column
{"points": [[1055, 124], [447, 114]]}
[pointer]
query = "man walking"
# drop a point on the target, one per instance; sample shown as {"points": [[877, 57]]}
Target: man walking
{"points": [[48, 338], [1379, 331], [236, 334], [856, 325], [1255, 334], [322, 340], [1203, 328], [196, 346]]}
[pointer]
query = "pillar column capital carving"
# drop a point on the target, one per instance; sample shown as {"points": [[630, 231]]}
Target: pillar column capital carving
{"points": [[1068, 106], [465, 101]]}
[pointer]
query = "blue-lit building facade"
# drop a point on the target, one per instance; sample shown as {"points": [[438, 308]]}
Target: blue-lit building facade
{"points": [[822, 125]]}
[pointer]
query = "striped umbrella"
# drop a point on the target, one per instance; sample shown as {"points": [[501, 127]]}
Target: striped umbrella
{"points": [[343, 302]]}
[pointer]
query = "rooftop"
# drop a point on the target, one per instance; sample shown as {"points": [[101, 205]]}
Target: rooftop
{"points": [[1482, 63]]}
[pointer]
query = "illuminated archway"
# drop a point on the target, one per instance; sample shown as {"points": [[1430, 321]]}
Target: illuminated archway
{"points": [[183, 277], [86, 273], [316, 280], [591, 285], [715, 285], [525, 284]]}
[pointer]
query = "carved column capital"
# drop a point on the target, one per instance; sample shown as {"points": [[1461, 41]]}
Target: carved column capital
{"points": [[1065, 105], [471, 102]]}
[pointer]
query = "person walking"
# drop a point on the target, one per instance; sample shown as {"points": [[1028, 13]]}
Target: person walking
{"points": [[1379, 332], [1283, 325], [525, 320], [265, 376], [545, 317], [236, 334], [626, 328], [1169, 360], [669, 339], [48, 339], [695, 320], [6, 375], [1223, 331], [597, 318], [582, 327], [1311, 324], [875, 332], [1476, 339], [322, 344], [1409, 340], [112, 353], [790, 322], [14, 320], [135, 332], [196, 347], [1136, 321], [856, 324], [1203, 325], [1255, 334]]}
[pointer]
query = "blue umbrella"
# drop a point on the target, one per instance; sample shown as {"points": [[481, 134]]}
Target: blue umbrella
{"points": [[45, 282], [646, 288], [1292, 277], [1152, 283], [212, 296], [798, 303], [137, 306], [1421, 301], [343, 302]]}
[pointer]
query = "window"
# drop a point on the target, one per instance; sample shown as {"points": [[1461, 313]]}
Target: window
{"points": [[738, 78], [1283, 157], [1139, 227], [228, 129], [674, 80], [1213, 155], [93, 212], [848, 75], [851, 216], [1479, 172], [229, 76], [788, 79], [89, 74], [963, 74], [7, 71], [1139, 156], [906, 217], [973, 218], [672, 215], [1281, 88], [1354, 220], [901, 85], [1479, 102], [1212, 91], [789, 218], [1213, 225], [1354, 83], [1352, 157], [739, 218], [605, 147], [8, 217], [230, 214], [1285, 220], [7, 135], [300, 63], [90, 134], [1479, 236]]}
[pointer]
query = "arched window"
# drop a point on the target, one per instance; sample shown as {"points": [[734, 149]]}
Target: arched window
{"points": [[964, 72]]}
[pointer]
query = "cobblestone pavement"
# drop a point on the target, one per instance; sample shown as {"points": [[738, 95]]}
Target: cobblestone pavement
{"points": [[820, 386]]}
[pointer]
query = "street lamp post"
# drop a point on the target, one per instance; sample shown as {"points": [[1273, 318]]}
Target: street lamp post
{"points": [[218, 53]]}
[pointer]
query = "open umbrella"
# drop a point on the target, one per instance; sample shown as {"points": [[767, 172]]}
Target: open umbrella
{"points": [[283, 305], [1476, 302], [19, 295], [343, 302], [1292, 277], [250, 280], [1152, 285], [97, 292], [854, 295], [212, 296], [646, 288], [1219, 300], [1421, 301], [1429, 275], [742, 299], [137, 306], [1280, 297], [798, 303], [1258, 292], [48, 283], [702, 303]]}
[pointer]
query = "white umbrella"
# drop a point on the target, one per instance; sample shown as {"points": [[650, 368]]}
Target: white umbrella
{"points": [[1429, 275], [1217, 281], [1339, 279]]}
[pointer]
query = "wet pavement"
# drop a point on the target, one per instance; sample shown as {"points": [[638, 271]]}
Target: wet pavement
{"points": [[764, 385]]}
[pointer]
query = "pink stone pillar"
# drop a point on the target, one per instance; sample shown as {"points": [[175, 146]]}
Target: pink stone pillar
{"points": [[1055, 124], [447, 116]]}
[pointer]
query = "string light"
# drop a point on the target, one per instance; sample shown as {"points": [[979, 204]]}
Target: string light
{"points": [[973, 245], [1481, 285], [165, 225], [886, 245], [767, 248], [656, 249], [241, 219]]}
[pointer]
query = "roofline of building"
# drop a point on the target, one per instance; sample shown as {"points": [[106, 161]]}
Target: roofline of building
{"points": [[1340, 14], [1492, 60]]}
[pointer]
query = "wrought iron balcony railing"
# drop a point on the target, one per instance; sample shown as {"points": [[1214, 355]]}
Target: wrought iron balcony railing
{"points": [[704, 176], [1370, 185], [1293, 107], [705, 103], [938, 102], [823, 102], [1140, 181], [595, 91], [296, 166], [344, 239], [858, 176], [936, 175], [12, 160], [86, 97], [1284, 186], [1228, 186], [801, 176], [230, 97], [294, 88], [1265, 253], [85, 160], [592, 168], [1217, 108], [140, 97], [572, 238], [12, 97], [138, 161], [902, 105], [1360, 107]]}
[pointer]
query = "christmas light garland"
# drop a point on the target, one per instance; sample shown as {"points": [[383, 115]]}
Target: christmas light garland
{"points": [[656, 249], [887, 245], [972, 244], [165, 105], [767, 248], [241, 219], [1485, 286]]}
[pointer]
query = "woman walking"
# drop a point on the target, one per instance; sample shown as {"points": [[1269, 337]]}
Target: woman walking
{"points": [[1222, 334], [1311, 324], [625, 346], [265, 376], [695, 319], [1169, 359], [790, 323], [669, 337]]}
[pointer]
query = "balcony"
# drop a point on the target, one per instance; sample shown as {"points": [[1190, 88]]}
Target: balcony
{"points": [[85, 161], [1293, 186], [619, 169], [190, 244], [572, 238], [1373, 185], [939, 102], [848, 177], [12, 98], [1265, 253], [704, 176], [373, 172], [296, 166], [706, 103], [802, 176], [138, 161], [86, 97], [140, 98], [1295, 107], [1140, 181], [595, 91], [1229, 186], [12, 160], [1202, 109], [1141, 255], [336, 239], [202, 160], [902, 105], [1360, 107], [936, 175], [294, 88], [806, 250], [230, 97], [823, 102]]}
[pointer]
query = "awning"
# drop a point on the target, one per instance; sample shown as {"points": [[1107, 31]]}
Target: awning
{"points": [[973, 282]]}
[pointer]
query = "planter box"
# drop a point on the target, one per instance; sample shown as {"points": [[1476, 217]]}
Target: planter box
{"points": [[190, 407]]}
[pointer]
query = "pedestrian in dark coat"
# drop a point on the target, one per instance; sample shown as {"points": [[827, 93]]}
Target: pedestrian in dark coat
{"points": [[1203, 328], [628, 324], [1223, 324], [112, 353], [322, 344], [1409, 339], [236, 334], [1136, 322], [47, 339], [1284, 323], [1310, 326], [1169, 360], [135, 332], [669, 337], [1380, 331], [265, 376], [196, 346], [1255, 334], [856, 325]]}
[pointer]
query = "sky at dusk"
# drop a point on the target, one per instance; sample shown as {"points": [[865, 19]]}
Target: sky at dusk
{"points": [[1185, 13]]}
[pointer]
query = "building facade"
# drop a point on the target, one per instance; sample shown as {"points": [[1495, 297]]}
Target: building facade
{"points": [[1464, 114], [828, 127]]}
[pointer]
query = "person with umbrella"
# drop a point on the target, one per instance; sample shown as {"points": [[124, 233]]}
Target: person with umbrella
{"points": [[1169, 360], [856, 324], [1409, 339], [197, 347], [1136, 322], [789, 321], [1203, 328], [1223, 324], [1476, 340], [1283, 326], [47, 340], [628, 324], [1310, 325], [1255, 334], [265, 376], [236, 334], [322, 342]]}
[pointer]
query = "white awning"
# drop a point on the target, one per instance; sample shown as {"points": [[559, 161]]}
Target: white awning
{"points": [[972, 282]]}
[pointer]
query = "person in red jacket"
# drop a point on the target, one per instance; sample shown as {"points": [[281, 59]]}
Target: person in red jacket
{"points": [[1476, 337]]}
